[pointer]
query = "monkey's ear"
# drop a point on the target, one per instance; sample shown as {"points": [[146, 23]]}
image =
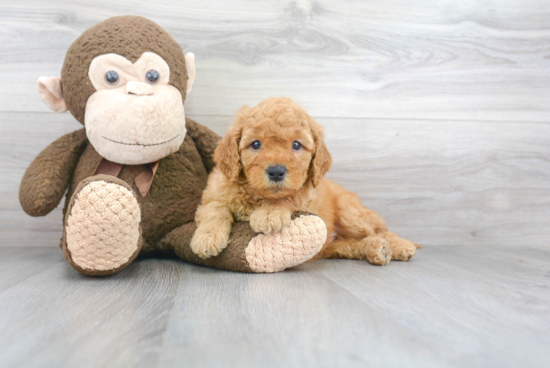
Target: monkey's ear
{"points": [[190, 65], [51, 93]]}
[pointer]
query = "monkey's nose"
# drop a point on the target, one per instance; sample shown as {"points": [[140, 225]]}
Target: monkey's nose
{"points": [[276, 173], [139, 88]]}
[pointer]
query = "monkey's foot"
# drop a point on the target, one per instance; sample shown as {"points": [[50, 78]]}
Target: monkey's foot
{"points": [[288, 247], [102, 226]]}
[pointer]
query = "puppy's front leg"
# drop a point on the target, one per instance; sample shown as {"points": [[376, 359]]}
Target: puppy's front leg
{"points": [[266, 219], [214, 222]]}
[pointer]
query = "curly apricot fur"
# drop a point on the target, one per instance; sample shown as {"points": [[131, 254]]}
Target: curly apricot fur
{"points": [[239, 189]]}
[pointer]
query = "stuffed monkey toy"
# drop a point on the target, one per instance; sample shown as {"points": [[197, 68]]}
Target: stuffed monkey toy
{"points": [[135, 173]]}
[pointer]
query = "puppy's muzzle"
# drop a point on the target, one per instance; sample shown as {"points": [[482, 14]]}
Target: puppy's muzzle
{"points": [[276, 173]]}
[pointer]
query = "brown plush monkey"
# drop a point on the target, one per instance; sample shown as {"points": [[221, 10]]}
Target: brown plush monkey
{"points": [[136, 171]]}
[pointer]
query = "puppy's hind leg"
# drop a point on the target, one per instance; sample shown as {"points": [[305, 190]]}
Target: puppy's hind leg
{"points": [[374, 249], [352, 219], [357, 230], [401, 249], [378, 249]]}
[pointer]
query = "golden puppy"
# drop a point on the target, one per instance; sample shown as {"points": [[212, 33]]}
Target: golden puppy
{"points": [[271, 163]]}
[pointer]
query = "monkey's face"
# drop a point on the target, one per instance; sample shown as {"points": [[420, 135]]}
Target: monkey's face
{"points": [[126, 80], [135, 116]]}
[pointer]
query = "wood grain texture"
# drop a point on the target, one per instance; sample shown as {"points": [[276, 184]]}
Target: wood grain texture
{"points": [[393, 59], [448, 307], [436, 112]]}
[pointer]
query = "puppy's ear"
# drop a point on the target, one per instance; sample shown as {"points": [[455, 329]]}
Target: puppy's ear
{"points": [[322, 159], [227, 156]]}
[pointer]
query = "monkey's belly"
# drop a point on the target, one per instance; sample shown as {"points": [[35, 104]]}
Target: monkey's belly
{"points": [[171, 202], [173, 197]]}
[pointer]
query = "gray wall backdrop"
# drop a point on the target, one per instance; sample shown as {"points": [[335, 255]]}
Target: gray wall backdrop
{"points": [[436, 112]]}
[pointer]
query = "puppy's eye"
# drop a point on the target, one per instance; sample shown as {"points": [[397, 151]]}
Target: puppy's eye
{"points": [[256, 145], [111, 77], [152, 76], [296, 145]]}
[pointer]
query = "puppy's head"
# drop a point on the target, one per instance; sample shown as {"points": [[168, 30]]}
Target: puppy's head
{"points": [[275, 147]]}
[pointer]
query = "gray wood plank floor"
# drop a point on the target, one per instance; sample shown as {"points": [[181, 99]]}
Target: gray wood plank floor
{"points": [[449, 307]]}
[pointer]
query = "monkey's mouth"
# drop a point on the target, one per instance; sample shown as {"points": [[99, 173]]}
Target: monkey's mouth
{"points": [[140, 144]]}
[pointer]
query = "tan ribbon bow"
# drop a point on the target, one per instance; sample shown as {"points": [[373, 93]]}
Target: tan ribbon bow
{"points": [[143, 181]]}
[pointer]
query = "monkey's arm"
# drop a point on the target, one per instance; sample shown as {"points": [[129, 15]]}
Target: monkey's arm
{"points": [[248, 251], [205, 140], [47, 177]]}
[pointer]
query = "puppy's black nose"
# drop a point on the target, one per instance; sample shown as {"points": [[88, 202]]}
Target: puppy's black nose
{"points": [[276, 173]]}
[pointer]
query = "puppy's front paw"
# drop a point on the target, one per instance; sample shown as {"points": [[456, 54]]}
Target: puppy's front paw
{"points": [[267, 220], [208, 244]]}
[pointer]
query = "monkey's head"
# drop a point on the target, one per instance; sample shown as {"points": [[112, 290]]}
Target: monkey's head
{"points": [[126, 80]]}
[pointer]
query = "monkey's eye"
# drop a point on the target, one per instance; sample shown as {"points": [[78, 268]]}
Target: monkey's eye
{"points": [[256, 145], [152, 76], [111, 77], [296, 145]]}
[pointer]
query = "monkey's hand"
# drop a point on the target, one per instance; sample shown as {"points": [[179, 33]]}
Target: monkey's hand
{"points": [[47, 177], [267, 219]]}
